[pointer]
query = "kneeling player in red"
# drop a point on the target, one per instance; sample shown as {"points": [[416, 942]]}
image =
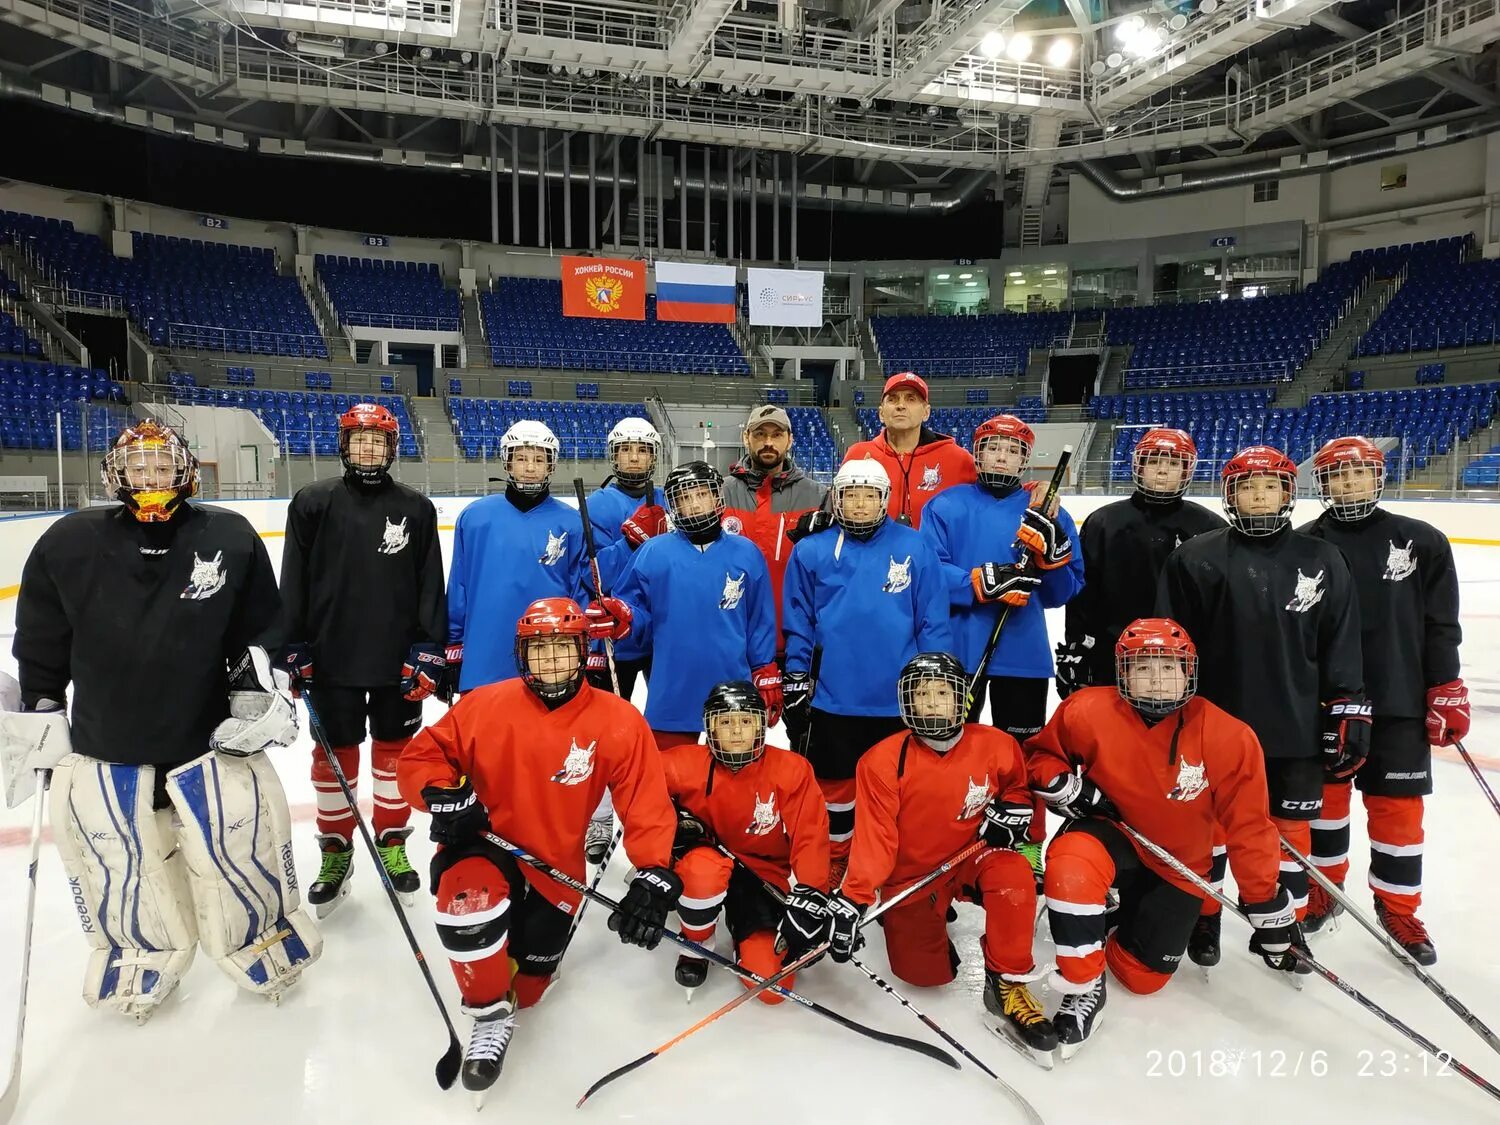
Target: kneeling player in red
{"points": [[1156, 756], [529, 759], [923, 795], [765, 806]]}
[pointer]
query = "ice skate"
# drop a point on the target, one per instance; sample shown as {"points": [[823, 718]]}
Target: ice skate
{"points": [[691, 972], [488, 1042], [1323, 910], [332, 884], [1203, 943], [392, 846], [1078, 1018], [1033, 854], [1409, 933], [1020, 1020], [596, 841]]}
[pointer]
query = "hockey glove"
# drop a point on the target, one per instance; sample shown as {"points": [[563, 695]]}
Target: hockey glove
{"points": [[1346, 736], [453, 658], [1006, 824], [296, 662], [810, 523], [1011, 583], [642, 913], [1036, 491], [609, 619], [767, 680], [1276, 930], [797, 691], [691, 833], [458, 815], [1447, 713], [261, 716], [844, 918], [647, 522], [597, 671], [423, 673], [1076, 797], [804, 926], [1044, 540], [1073, 670]]}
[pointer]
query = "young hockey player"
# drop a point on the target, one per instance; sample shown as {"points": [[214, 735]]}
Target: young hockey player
{"points": [[870, 597], [924, 795], [763, 805], [528, 759], [1274, 615], [1170, 764], [365, 622], [124, 603], [702, 607], [1408, 607], [1125, 545]]}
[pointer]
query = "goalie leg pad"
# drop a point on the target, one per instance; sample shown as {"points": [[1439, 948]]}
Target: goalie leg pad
{"points": [[127, 882], [236, 837]]}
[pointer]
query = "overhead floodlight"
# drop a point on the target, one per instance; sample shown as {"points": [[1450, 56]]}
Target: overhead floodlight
{"points": [[1115, 60], [1016, 273], [1060, 52], [1177, 22], [1098, 68], [382, 48], [1049, 273], [695, 84], [1209, 7], [932, 111], [991, 45], [1129, 29], [942, 276], [965, 276], [1019, 48], [466, 57], [424, 53], [1146, 42]]}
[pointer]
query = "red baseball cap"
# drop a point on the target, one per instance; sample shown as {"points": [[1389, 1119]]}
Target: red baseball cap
{"points": [[909, 380]]}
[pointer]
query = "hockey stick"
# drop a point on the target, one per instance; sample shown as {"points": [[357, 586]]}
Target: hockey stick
{"points": [[1478, 776], [12, 1094], [593, 557], [598, 875], [1444, 1057], [447, 1066], [1385, 939], [994, 642]]}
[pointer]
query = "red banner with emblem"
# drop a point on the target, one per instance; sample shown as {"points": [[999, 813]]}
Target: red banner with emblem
{"points": [[612, 288]]}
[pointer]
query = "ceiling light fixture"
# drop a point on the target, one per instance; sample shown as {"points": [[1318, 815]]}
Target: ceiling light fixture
{"points": [[1060, 52], [1049, 273], [1019, 48], [1016, 273], [970, 284], [991, 45], [943, 276], [424, 53], [965, 276]]}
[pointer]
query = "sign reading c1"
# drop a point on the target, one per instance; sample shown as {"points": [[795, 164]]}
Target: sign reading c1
{"points": [[1224, 240]]}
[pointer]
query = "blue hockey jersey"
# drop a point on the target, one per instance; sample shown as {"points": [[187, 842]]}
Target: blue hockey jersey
{"points": [[872, 604], [969, 526]]}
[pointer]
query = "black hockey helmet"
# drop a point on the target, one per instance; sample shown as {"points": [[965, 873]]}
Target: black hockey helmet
{"points": [[735, 697], [932, 691], [685, 479]]}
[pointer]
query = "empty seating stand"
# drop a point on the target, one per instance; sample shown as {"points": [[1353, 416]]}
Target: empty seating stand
{"points": [[582, 428], [33, 394], [1445, 301], [960, 422], [379, 293], [937, 347]]}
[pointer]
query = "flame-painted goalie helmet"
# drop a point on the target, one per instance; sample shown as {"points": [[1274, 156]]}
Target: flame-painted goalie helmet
{"points": [[150, 469]]}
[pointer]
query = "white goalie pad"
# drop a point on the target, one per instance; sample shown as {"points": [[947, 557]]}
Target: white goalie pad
{"points": [[129, 887], [236, 837]]}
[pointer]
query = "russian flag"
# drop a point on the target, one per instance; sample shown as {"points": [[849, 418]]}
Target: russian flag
{"points": [[697, 293]]}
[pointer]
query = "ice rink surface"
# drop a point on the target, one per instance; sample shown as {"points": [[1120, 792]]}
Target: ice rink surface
{"points": [[357, 1039]]}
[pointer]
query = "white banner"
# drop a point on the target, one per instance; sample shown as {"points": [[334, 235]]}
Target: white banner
{"points": [[791, 298]]}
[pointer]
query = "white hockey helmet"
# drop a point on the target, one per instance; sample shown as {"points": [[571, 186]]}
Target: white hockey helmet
{"points": [[865, 473], [527, 434], [634, 431]]}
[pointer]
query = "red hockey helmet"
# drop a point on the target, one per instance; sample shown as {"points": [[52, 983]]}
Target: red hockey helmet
{"points": [[548, 670], [1259, 461], [150, 469], [1156, 447], [1350, 476], [368, 416], [1156, 665], [999, 436]]}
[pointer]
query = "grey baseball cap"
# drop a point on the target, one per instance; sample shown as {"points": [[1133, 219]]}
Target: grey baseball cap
{"points": [[773, 414]]}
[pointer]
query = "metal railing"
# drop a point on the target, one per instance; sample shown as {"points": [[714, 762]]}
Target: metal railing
{"points": [[1207, 375], [415, 322], [213, 338]]}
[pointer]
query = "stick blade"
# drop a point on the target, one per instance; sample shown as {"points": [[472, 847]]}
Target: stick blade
{"points": [[447, 1066], [618, 1072]]}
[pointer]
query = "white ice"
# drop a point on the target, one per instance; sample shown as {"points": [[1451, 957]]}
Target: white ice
{"points": [[357, 1039]]}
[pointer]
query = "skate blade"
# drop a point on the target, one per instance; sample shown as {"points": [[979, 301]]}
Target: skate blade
{"points": [[689, 993], [1043, 1059], [324, 909], [478, 1096], [408, 898], [1066, 1051]]}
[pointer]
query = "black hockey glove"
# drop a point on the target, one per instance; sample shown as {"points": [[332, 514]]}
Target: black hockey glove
{"points": [[424, 671], [458, 815], [1073, 670], [1044, 539], [296, 661], [1076, 797], [453, 659], [1276, 931], [804, 926], [809, 523], [797, 693], [642, 913], [1006, 824], [691, 833], [1346, 736], [1011, 583], [844, 918]]}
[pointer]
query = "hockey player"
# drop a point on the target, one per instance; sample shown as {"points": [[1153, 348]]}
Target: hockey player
{"points": [[920, 462], [871, 597], [528, 759], [510, 550], [1173, 766], [762, 804], [1408, 607], [1124, 547], [701, 601], [366, 621], [923, 795], [124, 603], [1277, 628]]}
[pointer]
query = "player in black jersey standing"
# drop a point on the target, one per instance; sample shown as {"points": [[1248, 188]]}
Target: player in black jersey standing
{"points": [[366, 619], [1408, 605], [1277, 623], [1125, 545]]}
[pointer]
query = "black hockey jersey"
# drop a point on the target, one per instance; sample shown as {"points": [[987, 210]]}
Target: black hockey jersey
{"points": [[362, 579], [1408, 606], [143, 620], [1276, 623], [1125, 545]]}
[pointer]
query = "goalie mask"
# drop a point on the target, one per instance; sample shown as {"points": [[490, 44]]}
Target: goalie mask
{"points": [[1350, 476], [552, 649], [1156, 666], [367, 442], [634, 448], [734, 717], [861, 490], [529, 451], [150, 470], [931, 690]]}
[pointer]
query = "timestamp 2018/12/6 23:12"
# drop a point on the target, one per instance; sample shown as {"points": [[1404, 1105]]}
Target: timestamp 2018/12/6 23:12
{"points": [[1278, 1063]]}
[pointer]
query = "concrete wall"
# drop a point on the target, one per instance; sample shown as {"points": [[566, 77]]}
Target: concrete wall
{"points": [[1095, 217]]}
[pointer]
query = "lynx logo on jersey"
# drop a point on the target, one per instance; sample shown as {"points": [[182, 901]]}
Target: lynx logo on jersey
{"points": [[395, 538], [555, 546], [1192, 780], [1309, 592], [932, 477], [208, 578], [732, 525], [734, 590], [765, 818], [578, 766], [1401, 563], [898, 577], [975, 799]]}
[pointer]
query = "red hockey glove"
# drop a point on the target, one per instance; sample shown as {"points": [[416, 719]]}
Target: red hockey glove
{"points": [[609, 619], [1044, 540], [1346, 736], [1011, 583], [1447, 713], [423, 672], [767, 681], [646, 522]]}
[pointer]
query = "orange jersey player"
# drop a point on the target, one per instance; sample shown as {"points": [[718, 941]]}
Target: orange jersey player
{"points": [[764, 806], [923, 795], [529, 759], [1170, 764]]}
